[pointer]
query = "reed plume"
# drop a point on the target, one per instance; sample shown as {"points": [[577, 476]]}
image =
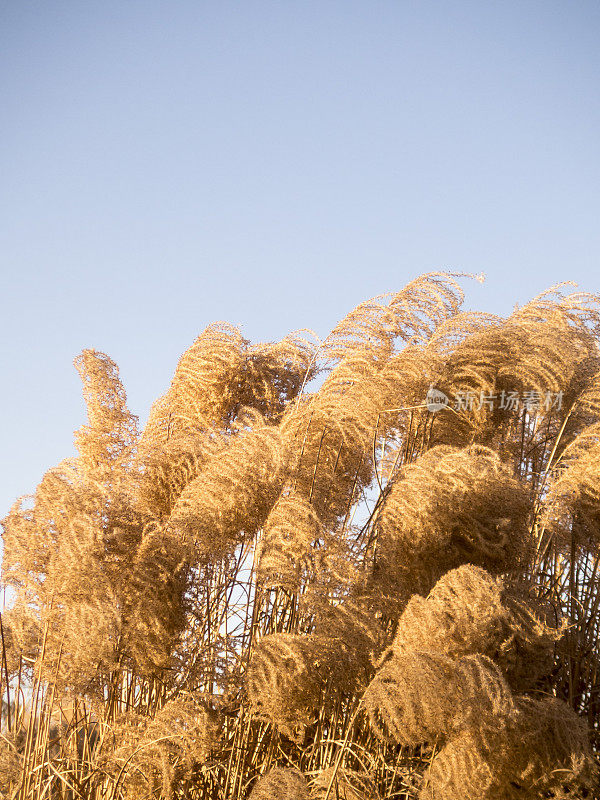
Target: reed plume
{"points": [[418, 697], [108, 442], [167, 749], [336, 429], [572, 505], [166, 469], [287, 548], [280, 782], [452, 506], [545, 349], [410, 315], [541, 751], [469, 611], [234, 492], [220, 375], [286, 678]]}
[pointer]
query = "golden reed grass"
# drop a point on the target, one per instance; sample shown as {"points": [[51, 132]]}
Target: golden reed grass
{"points": [[287, 589]]}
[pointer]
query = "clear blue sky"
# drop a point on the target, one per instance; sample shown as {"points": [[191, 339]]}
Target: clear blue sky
{"points": [[168, 164]]}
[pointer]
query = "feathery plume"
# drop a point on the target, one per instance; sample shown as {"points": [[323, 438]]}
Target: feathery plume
{"points": [[290, 533], [164, 751], [418, 697], [280, 783], [541, 751], [234, 493], [452, 506], [469, 611], [220, 375], [108, 442], [572, 504], [285, 680]]}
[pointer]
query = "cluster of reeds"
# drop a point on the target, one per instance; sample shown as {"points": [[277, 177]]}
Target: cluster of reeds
{"points": [[290, 588]]}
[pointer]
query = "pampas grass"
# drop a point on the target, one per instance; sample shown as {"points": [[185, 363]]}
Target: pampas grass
{"points": [[281, 589], [419, 697], [278, 783], [541, 751], [470, 611], [452, 506]]}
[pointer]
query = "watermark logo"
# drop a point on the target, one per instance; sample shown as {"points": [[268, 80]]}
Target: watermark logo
{"points": [[435, 400], [531, 401]]}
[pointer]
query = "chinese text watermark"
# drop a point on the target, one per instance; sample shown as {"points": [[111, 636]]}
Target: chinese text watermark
{"points": [[468, 400]]}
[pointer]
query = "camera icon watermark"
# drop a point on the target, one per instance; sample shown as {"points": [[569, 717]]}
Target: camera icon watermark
{"points": [[436, 400]]}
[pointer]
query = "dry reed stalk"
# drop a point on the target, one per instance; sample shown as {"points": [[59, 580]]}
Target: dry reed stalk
{"points": [[348, 785]]}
